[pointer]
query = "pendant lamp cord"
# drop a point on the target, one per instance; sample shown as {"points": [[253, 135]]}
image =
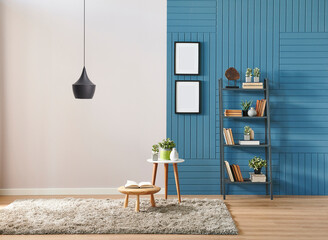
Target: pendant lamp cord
{"points": [[84, 35]]}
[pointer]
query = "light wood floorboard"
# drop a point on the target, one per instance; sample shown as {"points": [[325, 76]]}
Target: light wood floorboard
{"points": [[257, 218]]}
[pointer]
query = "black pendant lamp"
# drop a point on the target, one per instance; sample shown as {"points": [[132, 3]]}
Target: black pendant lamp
{"points": [[84, 88]]}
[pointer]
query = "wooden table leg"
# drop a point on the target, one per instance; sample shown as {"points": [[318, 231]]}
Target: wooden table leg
{"points": [[126, 201], [152, 200], [175, 167], [138, 204], [154, 173], [166, 170]]}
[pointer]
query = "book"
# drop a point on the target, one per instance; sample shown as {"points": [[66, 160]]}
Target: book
{"points": [[249, 142], [234, 171], [239, 173], [231, 136], [253, 87], [133, 184], [226, 136], [232, 112], [229, 171], [253, 84]]}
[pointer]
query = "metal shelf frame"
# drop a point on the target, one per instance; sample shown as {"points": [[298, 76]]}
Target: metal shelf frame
{"points": [[266, 145]]}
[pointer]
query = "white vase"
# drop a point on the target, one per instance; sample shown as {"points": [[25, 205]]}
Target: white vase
{"points": [[247, 137], [252, 112], [174, 155], [256, 79], [248, 79]]}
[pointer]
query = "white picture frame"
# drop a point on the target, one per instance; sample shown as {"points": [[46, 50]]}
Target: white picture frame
{"points": [[186, 58], [187, 97]]}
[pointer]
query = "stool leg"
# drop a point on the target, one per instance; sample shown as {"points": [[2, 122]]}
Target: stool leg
{"points": [[175, 167], [126, 201], [152, 200], [166, 169], [138, 204]]}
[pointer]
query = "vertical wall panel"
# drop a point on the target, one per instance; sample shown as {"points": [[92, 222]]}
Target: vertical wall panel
{"points": [[288, 40]]}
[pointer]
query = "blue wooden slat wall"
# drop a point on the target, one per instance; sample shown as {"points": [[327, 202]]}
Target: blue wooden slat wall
{"points": [[288, 41]]}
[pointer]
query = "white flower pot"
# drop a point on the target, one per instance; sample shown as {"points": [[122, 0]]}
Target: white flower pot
{"points": [[256, 79], [248, 79], [154, 156], [247, 137]]}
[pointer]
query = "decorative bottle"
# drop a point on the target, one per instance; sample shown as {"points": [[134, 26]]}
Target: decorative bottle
{"points": [[174, 155]]}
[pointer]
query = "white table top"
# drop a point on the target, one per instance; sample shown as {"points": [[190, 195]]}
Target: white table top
{"points": [[166, 161]]}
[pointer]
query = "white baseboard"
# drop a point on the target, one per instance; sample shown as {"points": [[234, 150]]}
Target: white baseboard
{"points": [[61, 191]]}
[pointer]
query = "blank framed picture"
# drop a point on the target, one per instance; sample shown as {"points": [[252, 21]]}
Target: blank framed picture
{"points": [[187, 96], [186, 58]]}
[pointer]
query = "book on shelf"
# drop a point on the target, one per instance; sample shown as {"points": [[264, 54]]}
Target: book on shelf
{"points": [[133, 184], [260, 107], [228, 137], [257, 177], [236, 173], [253, 85], [239, 173], [249, 142], [229, 171], [232, 113]]}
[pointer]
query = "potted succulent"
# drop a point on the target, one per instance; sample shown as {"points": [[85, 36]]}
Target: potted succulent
{"points": [[256, 75], [166, 147], [247, 133], [257, 163], [245, 105], [248, 75], [154, 154]]}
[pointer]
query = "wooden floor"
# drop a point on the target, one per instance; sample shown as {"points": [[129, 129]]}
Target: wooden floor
{"points": [[257, 217]]}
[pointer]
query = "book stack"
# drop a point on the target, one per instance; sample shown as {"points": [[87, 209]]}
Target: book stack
{"points": [[257, 177], [228, 137], [234, 172], [249, 142], [253, 85], [260, 107], [232, 113]]}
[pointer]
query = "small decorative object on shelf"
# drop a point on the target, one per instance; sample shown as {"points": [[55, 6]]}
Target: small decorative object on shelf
{"points": [[252, 134], [232, 75], [154, 154], [256, 72], [252, 112], [174, 155], [257, 177], [245, 105], [166, 147], [257, 163], [247, 133], [248, 75]]}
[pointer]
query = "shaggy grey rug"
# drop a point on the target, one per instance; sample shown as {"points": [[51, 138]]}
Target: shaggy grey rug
{"points": [[100, 216]]}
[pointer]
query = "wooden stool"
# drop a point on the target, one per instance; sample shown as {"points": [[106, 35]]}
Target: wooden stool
{"points": [[138, 192]]}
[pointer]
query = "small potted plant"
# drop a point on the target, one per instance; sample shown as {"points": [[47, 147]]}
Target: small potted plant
{"points": [[257, 163], [247, 133], [248, 75], [245, 105], [154, 154], [256, 75], [166, 147]]}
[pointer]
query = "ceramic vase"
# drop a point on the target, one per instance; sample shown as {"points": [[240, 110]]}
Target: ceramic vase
{"points": [[174, 155], [252, 112], [164, 154], [248, 79], [256, 79]]}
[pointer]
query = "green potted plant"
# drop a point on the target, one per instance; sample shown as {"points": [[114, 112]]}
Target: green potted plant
{"points": [[248, 75], [154, 154], [257, 163], [256, 75], [245, 105], [166, 147], [247, 133]]}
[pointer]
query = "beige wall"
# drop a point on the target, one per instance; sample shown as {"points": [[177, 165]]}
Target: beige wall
{"points": [[48, 138]]}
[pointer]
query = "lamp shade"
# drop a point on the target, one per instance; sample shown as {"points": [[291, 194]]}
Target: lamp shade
{"points": [[84, 88]]}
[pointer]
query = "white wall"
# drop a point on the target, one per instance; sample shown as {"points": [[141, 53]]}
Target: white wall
{"points": [[48, 138]]}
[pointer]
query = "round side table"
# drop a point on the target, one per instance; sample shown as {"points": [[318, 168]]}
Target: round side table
{"points": [[138, 192], [166, 168]]}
